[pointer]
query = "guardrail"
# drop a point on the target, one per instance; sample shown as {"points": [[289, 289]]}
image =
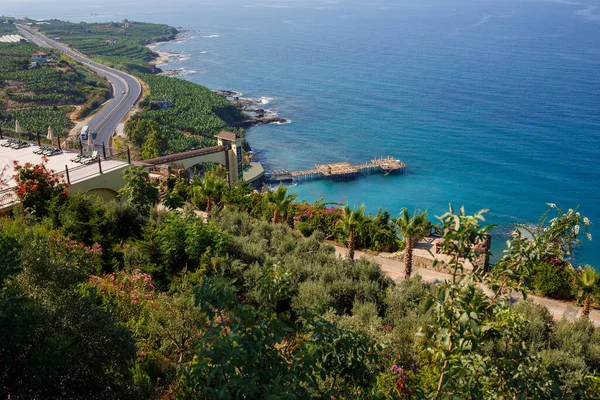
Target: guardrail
{"points": [[72, 175]]}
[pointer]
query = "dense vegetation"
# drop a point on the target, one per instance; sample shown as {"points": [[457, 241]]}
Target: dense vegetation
{"points": [[43, 96], [7, 27], [126, 300], [119, 44], [191, 117]]}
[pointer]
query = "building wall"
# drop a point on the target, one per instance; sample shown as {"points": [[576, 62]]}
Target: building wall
{"points": [[218, 158], [105, 185]]}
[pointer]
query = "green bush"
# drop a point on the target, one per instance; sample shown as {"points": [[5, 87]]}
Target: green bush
{"points": [[306, 228], [538, 326], [552, 281]]}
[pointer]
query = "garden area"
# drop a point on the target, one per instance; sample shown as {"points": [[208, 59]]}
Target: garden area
{"points": [[132, 300]]}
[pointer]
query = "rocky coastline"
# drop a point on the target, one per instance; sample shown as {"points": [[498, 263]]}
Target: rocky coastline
{"points": [[171, 56], [253, 108]]}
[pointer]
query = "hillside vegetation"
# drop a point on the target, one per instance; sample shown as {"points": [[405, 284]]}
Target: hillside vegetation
{"points": [[124, 300], [45, 95], [118, 44]]}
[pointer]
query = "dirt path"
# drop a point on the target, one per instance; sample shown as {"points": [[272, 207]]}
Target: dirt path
{"points": [[395, 270]]}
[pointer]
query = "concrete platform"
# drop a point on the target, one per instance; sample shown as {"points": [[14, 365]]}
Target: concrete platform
{"points": [[104, 175]]}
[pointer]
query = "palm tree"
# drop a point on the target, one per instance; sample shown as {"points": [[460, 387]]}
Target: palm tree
{"points": [[412, 229], [281, 200], [587, 282], [209, 189], [350, 222]]}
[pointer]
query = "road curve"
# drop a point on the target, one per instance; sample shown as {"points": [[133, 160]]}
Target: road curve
{"points": [[127, 89]]}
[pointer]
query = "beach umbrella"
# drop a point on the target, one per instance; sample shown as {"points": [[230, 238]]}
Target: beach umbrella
{"points": [[18, 129], [90, 141], [50, 136]]}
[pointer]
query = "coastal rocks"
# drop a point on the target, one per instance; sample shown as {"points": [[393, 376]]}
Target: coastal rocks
{"points": [[176, 72], [253, 109]]}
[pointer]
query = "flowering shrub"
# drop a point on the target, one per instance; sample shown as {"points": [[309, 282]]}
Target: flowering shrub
{"points": [[37, 186], [132, 293], [316, 216]]}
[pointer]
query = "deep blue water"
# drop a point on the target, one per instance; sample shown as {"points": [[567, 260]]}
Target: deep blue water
{"points": [[492, 104]]}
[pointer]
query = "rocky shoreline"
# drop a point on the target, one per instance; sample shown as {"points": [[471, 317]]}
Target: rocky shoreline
{"points": [[171, 56], [253, 108]]}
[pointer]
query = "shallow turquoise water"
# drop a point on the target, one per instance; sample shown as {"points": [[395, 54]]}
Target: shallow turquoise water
{"points": [[491, 104]]}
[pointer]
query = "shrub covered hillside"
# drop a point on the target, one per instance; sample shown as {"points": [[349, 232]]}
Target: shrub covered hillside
{"points": [[178, 116], [129, 300], [119, 44], [45, 95]]}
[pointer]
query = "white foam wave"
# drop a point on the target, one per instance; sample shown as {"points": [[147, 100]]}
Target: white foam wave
{"points": [[188, 72], [205, 52], [287, 121], [265, 100], [210, 36]]}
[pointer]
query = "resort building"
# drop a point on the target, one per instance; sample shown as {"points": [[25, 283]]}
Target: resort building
{"points": [[98, 173]]}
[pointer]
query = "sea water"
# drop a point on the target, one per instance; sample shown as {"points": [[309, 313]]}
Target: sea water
{"points": [[490, 104]]}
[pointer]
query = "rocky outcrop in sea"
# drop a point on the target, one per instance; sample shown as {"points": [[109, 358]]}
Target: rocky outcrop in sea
{"points": [[253, 108]]}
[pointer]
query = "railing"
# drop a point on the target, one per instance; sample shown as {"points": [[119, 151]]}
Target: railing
{"points": [[8, 196], [70, 177], [69, 143]]}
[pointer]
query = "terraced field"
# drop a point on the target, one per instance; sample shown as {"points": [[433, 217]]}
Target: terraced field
{"points": [[118, 44], [45, 95]]}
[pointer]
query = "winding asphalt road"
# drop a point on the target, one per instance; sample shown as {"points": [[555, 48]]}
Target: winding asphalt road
{"points": [[126, 88]]}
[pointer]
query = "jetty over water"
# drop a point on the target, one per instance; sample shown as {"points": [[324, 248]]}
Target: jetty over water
{"points": [[342, 171]]}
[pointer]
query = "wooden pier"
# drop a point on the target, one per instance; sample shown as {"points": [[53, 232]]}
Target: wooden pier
{"points": [[343, 171]]}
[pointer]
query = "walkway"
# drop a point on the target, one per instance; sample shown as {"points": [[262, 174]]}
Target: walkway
{"points": [[395, 270]]}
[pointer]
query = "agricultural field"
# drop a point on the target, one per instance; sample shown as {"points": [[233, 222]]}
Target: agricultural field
{"points": [[7, 27], [192, 116], [118, 44], [44, 95]]}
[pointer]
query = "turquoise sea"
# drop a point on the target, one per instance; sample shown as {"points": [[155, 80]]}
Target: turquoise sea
{"points": [[491, 104]]}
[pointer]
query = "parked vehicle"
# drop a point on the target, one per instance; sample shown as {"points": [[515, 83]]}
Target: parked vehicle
{"points": [[84, 132]]}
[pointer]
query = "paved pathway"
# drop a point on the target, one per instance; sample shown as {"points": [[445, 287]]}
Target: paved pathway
{"points": [[395, 270]]}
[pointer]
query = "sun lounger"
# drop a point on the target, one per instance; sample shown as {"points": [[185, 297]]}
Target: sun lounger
{"points": [[9, 142], [19, 144], [90, 159], [78, 158], [41, 150], [50, 151]]}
